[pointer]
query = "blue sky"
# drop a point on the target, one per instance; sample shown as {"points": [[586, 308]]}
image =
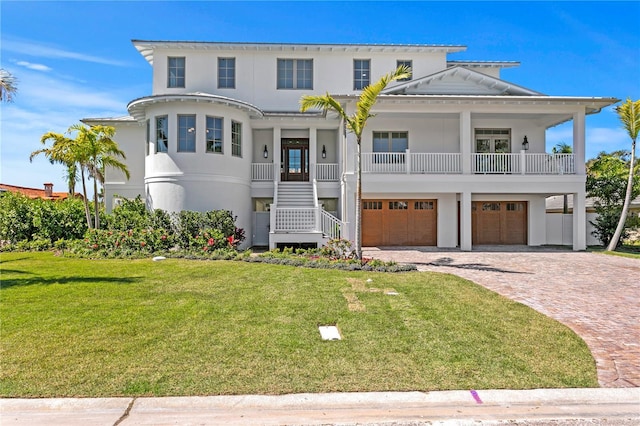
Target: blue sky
{"points": [[75, 59]]}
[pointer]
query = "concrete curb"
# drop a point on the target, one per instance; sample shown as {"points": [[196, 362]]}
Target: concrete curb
{"points": [[619, 406]]}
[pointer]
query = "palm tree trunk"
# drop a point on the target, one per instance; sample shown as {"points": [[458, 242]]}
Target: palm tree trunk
{"points": [[627, 201], [359, 201], [95, 203], [85, 199]]}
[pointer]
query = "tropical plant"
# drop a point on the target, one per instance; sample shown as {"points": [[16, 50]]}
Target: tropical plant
{"points": [[606, 179], [8, 87], [91, 151], [356, 123], [629, 114]]}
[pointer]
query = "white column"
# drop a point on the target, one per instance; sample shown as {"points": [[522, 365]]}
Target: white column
{"points": [[465, 141], [465, 221], [277, 153], [579, 141], [313, 152], [579, 221]]}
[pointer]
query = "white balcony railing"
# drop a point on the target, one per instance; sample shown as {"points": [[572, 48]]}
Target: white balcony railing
{"points": [[261, 171], [495, 163], [327, 172], [550, 164], [435, 163]]}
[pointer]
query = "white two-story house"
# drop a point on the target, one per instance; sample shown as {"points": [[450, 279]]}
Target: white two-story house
{"points": [[454, 156]]}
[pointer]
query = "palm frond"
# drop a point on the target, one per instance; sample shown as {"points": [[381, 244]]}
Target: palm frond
{"points": [[629, 113]]}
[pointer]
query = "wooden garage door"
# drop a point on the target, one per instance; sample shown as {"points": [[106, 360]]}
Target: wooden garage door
{"points": [[399, 222], [499, 222]]}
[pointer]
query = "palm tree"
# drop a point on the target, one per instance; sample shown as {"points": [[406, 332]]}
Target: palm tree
{"points": [[91, 152], [629, 114], [7, 86], [355, 124], [66, 151], [99, 151]]}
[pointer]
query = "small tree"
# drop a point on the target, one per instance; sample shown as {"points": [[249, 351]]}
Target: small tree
{"points": [[629, 114], [563, 148], [355, 124], [606, 178]]}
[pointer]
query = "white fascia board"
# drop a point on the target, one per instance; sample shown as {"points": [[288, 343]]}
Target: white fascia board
{"points": [[147, 47]]}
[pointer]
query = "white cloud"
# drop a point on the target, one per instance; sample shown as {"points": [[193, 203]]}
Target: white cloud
{"points": [[32, 48], [32, 66]]}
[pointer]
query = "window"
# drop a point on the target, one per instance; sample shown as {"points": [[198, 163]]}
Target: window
{"points": [[494, 207], [372, 205], [493, 141], [423, 205], [162, 132], [176, 72], [398, 205], [515, 207], [390, 141], [226, 73], [361, 73], [186, 133], [406, 63], [214, 134], [295, 74], [236, 139]]}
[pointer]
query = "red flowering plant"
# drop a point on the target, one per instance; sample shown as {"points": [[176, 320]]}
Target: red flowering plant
{"points": [[207, 241]]}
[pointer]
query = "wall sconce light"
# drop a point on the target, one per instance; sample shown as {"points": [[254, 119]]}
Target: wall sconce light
{"points": [[265, 153], [525, 144], [324, 152]]}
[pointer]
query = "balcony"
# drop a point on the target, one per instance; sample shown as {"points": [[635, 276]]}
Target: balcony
{"points": [[451, 163], [324, 172]]}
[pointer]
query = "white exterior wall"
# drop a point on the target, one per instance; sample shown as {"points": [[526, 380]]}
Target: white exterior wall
{"points": [[256, 72]]}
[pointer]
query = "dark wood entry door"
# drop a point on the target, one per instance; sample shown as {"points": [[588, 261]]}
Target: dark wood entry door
{"points": [[295, 160]]}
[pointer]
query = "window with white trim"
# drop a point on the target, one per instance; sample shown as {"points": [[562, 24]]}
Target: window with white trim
{"points": [[236, 139], [493, 141], [407, 63], [226, 73], [162, 132], [390, 141], [214, 134], [361, 73], [176, 71], [295, 74], [186, 133]]}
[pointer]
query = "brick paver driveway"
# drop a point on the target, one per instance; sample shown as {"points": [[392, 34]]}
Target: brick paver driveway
{"points": [[597, 296]]}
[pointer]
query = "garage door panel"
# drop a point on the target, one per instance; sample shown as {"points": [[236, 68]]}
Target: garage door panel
{"points": [[496, 222], [372, 222], [399, 222], [423, 229]]}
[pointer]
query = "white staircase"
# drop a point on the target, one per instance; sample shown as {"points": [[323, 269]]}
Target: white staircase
{"points": [[295, 195]]}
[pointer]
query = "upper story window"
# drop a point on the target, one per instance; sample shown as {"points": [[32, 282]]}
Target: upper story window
{"points": [[175, 71], [236, 139], [147, 137], [214, 134], [295, 74], [406, 63], [162, 132], [226, 73], [493, 141], [186, 133], [390, 141], [361, 73]]}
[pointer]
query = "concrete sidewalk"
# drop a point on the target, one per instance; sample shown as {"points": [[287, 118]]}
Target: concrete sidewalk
{"points": [[617, 406]]}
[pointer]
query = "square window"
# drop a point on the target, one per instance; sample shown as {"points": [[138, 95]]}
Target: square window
{"points": [[176, 72], [295, 74]]}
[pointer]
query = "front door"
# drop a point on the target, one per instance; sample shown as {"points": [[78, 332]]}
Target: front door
{"points": [[295, 160]]}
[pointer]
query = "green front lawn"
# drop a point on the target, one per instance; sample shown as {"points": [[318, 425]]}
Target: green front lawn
{"points": [[74, 327]]}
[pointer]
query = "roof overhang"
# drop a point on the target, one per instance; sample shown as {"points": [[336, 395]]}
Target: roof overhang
{"points": [[147, 47], [137, 107]]}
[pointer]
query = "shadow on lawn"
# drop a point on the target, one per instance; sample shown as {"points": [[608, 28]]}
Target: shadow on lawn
{"points": [[448, 262], [35, 280]]}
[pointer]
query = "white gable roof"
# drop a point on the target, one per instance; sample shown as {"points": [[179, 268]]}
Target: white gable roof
{"points": [[459, 81]]}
